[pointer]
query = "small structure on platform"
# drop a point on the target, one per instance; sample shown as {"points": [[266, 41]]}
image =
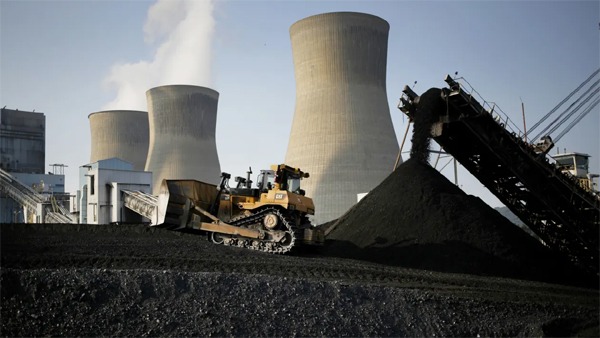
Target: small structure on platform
{"points": [[100, 196], [577, 165]]}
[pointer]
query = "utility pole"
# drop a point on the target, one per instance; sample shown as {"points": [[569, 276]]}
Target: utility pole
{"points": [[524, 125], [401, 147]]}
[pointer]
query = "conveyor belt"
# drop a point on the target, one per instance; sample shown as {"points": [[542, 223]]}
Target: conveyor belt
{"points": [[142, 203], [552, 204], [48, 211], [19, 192]]}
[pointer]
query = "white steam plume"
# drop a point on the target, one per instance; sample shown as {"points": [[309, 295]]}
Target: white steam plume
{"points": [[182, 31]]}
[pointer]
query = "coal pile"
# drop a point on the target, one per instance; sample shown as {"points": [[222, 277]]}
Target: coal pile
{"points": [[131, 280], [417, 218]]}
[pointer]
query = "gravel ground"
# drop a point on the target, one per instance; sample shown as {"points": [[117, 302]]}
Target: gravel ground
{"points": [[87, 280]]}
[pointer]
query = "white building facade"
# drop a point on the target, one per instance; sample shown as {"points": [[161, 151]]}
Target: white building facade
{"points": [[101, 191]]}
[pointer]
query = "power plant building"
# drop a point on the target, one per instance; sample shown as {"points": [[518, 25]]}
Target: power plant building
{"points": [[22, 141], [342, 131], [182, 122], [122, 134], [101, 198], [25, 187]]}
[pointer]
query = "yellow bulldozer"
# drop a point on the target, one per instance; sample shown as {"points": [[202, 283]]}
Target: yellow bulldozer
{"points": [[270, 217]]}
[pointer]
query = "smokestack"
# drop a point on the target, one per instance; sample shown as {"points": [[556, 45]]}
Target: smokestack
{"points": [[120, 133], [342, 132], [182, 134]]}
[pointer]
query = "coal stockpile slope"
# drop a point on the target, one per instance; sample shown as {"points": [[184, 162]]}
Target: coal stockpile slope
{"points": [[418, 218]]}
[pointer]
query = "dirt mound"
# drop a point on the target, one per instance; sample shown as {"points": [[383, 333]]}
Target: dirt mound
{"points": [[417, 218]]}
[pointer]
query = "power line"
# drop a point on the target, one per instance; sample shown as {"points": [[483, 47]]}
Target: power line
{"points": [[537, 124], [581, 116], [551, 128]]}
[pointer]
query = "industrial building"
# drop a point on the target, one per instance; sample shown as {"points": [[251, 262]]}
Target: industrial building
{"points": [[182, 121], [120, 133], [26, 191], [101, 191], [22, 141], [342, 132]]}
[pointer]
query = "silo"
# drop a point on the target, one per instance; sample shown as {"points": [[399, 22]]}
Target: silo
{"points": [[182, 134], [342, 131], [120, 133]]}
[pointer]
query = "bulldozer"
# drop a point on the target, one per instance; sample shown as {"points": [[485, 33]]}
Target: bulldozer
{"points": [[272, 217]]}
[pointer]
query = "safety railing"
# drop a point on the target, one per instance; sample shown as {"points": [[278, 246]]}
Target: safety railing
{"points": [[492, 108]]}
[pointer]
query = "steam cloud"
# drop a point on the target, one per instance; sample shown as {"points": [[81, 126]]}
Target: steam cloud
{"points": [[182, 32]]}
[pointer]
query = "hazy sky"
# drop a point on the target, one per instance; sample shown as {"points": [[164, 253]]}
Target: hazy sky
{"points": [[71, 58]]}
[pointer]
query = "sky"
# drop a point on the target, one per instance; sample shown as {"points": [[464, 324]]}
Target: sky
{"points": [[68, 59]]}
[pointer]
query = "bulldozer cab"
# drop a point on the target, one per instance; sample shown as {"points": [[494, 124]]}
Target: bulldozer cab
{"points": [[277, 187], [265, 180], [281, 177], [288, 178]]}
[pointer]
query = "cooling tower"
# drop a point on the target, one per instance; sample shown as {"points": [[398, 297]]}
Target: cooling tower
{"points": [[120, 133], [342, 132], [182, 134]]}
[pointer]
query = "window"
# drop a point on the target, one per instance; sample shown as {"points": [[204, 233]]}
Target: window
{"points": [[581, 161], [293, 184], [565, 163], [92, 184]]}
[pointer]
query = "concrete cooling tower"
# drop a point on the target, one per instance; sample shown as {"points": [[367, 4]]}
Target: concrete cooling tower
{"points": [[182, 134], [120, 133], [342, 132]]}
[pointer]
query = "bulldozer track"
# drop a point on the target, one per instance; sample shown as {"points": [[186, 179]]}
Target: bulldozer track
{"points": [[263, 245]]}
